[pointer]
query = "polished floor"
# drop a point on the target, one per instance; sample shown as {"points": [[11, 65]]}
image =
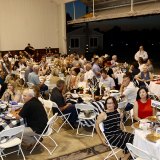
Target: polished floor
{"points": [[68, 142]]}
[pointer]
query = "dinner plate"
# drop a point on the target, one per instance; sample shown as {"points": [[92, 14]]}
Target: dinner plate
{"points": [[152, 118], [114, 91], [153, 137], [136, 125]]}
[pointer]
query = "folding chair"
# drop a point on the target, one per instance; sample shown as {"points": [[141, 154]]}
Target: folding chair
{"points": [[47, 105], [64, 117], [82, 118], [114, 149], [46, 134], [9, 139], [121, 107], [138, 154]]}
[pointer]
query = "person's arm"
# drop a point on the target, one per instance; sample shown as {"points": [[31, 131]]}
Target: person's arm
{"points": [[151, 76], [64, 107], [138, 77], [100, 119], [122, 90], [135, 111]]}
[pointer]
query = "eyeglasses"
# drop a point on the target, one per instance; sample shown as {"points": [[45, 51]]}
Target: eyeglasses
{"points": [[110, 103]]}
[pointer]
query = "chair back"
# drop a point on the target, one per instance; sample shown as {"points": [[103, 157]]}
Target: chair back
{"points": [[12, 131], [52, 119], [82, 106], [138, 153]]}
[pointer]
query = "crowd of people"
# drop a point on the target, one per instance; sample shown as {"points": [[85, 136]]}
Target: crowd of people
{"points": [[77, 73]]}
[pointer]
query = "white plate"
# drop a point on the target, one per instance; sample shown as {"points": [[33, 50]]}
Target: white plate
{"points": [[114, 91]]}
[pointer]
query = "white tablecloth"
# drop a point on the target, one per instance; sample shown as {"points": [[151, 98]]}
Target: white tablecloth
{"points": [[141, 142], [154, 88]]}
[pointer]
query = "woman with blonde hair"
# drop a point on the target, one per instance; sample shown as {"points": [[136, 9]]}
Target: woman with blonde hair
{"points": [[11, 94]]}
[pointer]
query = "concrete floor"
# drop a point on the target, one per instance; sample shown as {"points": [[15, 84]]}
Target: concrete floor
{"points": [[67, 142]]}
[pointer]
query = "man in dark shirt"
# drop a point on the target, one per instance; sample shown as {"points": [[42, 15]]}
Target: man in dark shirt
{"points": [[58, 98], [34, 115]]}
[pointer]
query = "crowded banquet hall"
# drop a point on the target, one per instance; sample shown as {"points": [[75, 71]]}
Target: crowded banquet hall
{"points": [[60, 100]]}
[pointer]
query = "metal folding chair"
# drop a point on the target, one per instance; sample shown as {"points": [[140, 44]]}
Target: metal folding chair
{"points": [[47, 134], [82, 118]]}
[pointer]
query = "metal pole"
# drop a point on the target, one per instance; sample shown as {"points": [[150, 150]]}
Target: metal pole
{"points": [[93, 9], [132, 6], [74, 11]]}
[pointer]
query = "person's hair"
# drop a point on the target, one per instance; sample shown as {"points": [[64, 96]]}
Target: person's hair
{"points": [[138, 96], [60, 83], [114, 101], [104, 71], [135, 64], [12, 83], [128, 75], [35, 67], [30, 92], [36, 90]]}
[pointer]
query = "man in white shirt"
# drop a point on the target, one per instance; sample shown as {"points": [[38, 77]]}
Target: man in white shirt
{"points": [[141, 53], [129, 91], [106, 80], [89, 73]]}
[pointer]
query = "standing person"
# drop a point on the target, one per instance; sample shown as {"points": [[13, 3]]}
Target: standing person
{"points": [[141, 53], [142, 106], [29, 49], [35, 116], [113, 127]]}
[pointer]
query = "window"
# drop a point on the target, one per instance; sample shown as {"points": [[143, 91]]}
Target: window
{"points": [[74, 43], [93, 42]]}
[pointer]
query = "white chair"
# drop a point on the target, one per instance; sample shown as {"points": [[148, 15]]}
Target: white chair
{"points": [[47, 105], [121, 107], [9, 139], [30, 85], [81, 117], [62, 116], [47, 134], [138, 154], [155, 104], [114, 149]]}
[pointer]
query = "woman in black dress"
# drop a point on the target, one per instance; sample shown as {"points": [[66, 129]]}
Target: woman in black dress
{"points": [[113, 127]]}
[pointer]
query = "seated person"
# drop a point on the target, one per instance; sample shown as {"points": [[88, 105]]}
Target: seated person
{"points": [[142, 106], [144, 77], [150, 65], [34, 79], [134, 70], [128, 91], [106, 80], [113, 127], [57, 97], [11, 94], [34, 114]]}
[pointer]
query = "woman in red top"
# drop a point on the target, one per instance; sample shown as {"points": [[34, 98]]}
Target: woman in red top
{"points": [[142, 107]]}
